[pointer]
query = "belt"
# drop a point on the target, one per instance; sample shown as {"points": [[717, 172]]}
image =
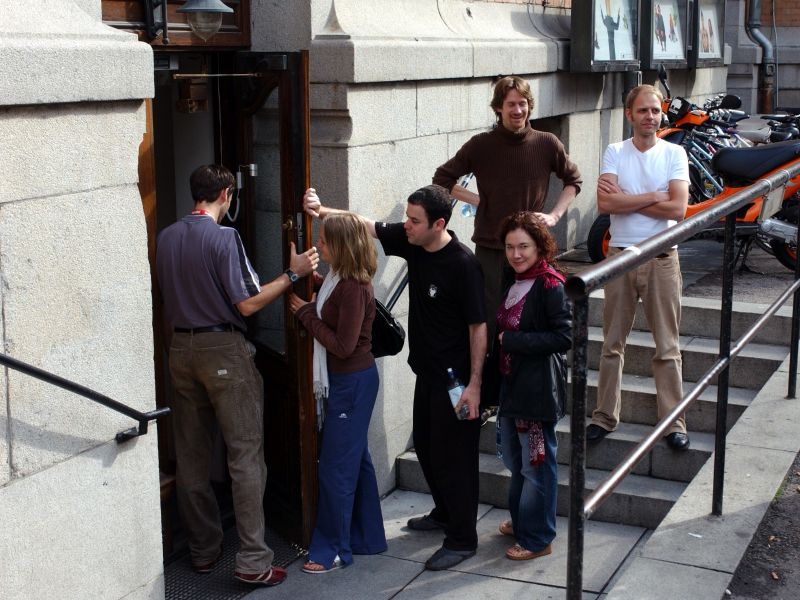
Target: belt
{"points": [[210, 329], [662, 255]]}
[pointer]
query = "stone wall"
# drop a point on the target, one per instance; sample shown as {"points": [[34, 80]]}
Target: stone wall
{"points": [[398, 86], [80, 513], [747, 56]]}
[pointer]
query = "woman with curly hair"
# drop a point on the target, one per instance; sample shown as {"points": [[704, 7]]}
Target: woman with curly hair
{"points": [[534, 329]]}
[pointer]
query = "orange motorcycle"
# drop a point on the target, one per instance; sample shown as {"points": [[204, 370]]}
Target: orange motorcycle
{"points": [[718, 171]]}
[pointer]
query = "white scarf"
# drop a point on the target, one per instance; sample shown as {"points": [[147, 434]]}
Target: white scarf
{"points": [[320, 361]]}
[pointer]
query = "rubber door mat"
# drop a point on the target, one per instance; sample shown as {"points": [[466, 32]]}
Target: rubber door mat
{"points": [[184, 584]]}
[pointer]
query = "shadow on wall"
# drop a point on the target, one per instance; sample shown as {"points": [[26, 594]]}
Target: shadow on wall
{"points": [[58, 443]]}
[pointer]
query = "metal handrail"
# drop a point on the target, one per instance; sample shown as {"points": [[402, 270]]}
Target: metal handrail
{"points": [[579, 287], [123, 436], [629, 462]]}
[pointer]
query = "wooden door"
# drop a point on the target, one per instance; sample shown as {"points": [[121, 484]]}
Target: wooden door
{"points": [[274, 121]]}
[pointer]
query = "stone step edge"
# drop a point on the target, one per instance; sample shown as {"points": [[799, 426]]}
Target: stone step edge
{"points": [[631, 433], [693, 343], [642, 384], [660, 489], [753, 308]]}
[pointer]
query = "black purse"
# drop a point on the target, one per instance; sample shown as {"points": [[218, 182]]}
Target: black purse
{"points": [[388, 335]]}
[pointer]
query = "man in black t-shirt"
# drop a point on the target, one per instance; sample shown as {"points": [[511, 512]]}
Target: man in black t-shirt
{"points": [[447, 329]]}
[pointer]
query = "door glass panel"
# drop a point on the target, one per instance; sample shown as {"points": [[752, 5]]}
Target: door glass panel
{"points": [[268, 325]]}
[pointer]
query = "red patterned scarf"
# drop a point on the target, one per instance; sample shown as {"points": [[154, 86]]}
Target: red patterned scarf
{"points": [[542, 269]]}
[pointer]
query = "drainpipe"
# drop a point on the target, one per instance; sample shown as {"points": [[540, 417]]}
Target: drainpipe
{"points": [[766, 74]]}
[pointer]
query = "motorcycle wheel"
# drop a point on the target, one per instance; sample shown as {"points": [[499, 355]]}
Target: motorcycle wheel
{"points": [[787, 253], [599, 236], [700, 188]]}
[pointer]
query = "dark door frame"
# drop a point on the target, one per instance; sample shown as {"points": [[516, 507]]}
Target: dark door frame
{"points": [[291, 445]]}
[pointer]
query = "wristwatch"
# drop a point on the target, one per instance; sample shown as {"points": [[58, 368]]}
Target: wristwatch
{"points": [[293, 277]]}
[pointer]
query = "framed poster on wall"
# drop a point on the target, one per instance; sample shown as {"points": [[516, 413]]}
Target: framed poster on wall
{"points": [[708, 34], [663, 39], [605, 36]]}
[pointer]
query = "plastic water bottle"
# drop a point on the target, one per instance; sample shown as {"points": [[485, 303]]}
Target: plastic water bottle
{"points": [[455, 388], [468, 210]]}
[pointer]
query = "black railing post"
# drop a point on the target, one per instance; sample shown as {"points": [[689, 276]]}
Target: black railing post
{"points": [[792, 393], [577, 464], [726, 315]]}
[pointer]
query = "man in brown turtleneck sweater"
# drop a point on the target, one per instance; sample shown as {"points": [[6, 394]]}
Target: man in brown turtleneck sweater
{"points": [[512, 163]]}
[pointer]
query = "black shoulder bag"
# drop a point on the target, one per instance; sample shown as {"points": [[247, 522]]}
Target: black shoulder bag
{"points": [[388, 335]]}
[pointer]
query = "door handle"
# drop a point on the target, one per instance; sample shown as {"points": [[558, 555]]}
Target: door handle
{"points": [[288, 224]]}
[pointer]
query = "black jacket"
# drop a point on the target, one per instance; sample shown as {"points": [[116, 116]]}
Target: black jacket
{"points": [[536, 386]]}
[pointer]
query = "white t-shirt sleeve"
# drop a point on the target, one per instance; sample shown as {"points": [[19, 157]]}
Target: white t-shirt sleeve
{"points": [[610, 160], [679, 165]]}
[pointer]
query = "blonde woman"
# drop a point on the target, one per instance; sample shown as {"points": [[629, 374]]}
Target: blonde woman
{"points": [[340, 316]]}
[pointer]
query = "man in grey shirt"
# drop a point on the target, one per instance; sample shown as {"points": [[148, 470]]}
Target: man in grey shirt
{"points": [[208, 286]]}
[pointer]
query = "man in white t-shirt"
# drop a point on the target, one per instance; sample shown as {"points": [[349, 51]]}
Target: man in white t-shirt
{"points": [[644, 186]]}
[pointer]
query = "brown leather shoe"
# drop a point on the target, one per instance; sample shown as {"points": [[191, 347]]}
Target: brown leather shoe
{"points": [[517, 552]]}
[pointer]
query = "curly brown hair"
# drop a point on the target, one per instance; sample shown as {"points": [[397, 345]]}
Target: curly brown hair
{"points": [[534, 227]]}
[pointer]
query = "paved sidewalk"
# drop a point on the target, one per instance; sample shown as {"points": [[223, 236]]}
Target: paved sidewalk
{"points": [[400, 573], [689, 551]]}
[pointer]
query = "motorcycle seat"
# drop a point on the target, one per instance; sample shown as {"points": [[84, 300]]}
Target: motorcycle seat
{"points": [[743, 166], [760, 136], [780, 135], [780, 118]]}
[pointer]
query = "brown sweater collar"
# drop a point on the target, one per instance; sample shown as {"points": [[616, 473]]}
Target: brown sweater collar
{"points": [[513, 137]]}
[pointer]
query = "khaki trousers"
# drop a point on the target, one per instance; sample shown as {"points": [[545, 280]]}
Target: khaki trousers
{"points": [[214, 378], [658, 283]]}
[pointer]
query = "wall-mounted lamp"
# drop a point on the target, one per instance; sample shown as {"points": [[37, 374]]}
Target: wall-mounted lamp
{"points": [[155, 25], [204, 16]]}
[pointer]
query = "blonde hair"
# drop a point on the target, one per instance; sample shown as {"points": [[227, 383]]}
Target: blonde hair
{"points": [[350, 246], [642, 89]]}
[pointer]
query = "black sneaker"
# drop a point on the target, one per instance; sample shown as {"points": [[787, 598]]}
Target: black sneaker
{"points": [[425, 523], [595, 433], [677, 440], [444, 558]]}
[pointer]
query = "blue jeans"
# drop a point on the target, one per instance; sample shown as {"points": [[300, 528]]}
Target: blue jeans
{"points": [[349, 519], [533, 490]]}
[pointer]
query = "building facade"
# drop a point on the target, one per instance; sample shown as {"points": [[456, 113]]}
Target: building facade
{"points": [[102, 127]]}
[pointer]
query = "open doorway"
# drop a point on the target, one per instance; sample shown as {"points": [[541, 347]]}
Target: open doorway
{"points": [[249, 112]]}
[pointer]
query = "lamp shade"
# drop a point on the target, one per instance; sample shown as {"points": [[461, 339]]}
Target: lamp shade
{"points": [[204, 16]]}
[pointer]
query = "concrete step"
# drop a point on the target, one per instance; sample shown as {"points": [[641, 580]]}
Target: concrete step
{"points": [[639, 402], [662, 462], [700, 317], [640, 501], [751, 369]]}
